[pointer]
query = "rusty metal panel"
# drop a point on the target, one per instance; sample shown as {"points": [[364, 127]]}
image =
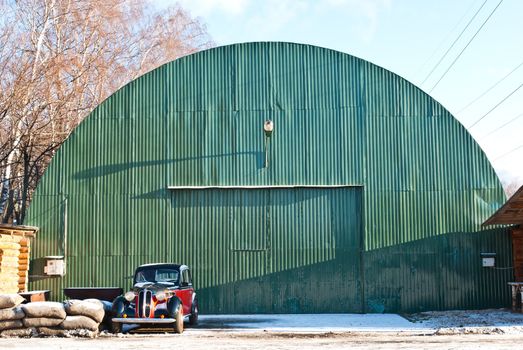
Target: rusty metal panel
{"points": [[425, 185]]}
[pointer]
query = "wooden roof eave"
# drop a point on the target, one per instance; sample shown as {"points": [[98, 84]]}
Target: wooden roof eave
{"points": [[18, 230], [510, 213]]}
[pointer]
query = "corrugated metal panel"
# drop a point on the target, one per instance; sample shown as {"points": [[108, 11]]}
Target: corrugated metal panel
{"points": [[339, 120], [271, 250]]}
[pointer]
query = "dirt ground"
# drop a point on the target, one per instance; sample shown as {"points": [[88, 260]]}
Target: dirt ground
{"points": [[273, 340], [485, 329]]}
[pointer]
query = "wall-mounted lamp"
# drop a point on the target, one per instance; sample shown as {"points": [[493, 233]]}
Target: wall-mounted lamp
{"points": [[268, 127]]}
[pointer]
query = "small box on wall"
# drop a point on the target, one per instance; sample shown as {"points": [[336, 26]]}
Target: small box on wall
{"points": [[54, 266], [488, 259]]}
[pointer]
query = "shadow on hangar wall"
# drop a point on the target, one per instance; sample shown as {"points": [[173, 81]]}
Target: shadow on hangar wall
{"points": [[374, 193]]}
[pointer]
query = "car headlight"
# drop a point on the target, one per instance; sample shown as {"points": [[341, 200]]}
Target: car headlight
{"points": [[161, 296], [129, 296]]}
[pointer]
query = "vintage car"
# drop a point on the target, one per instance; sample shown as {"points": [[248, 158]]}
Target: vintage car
{"points": [[161, 294]]}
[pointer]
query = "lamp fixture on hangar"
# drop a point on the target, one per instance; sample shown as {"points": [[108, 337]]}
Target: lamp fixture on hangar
{"points": [[268, 127]]}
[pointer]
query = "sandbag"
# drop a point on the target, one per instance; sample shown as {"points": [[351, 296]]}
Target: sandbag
{"points": [[10, 300], [44, 309], [22, 332], [52, 332], [80, 322], [92, 308], [41, 322], [11, 324], [15, 313]]}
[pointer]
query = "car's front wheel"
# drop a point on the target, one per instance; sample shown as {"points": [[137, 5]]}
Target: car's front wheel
{"points": [[178, 325], [116, 327]]}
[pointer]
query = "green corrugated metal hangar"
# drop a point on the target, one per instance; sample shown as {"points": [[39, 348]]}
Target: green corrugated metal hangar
{"points": [[367, 197]]}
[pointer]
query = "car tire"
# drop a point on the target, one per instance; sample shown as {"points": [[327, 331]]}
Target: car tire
{"points": [[193, 318], [178, 325], [116, 327]]}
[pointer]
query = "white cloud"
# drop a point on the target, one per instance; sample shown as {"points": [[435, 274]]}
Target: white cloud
{"points": [[369, 9], [206, 7], [275, 15]]}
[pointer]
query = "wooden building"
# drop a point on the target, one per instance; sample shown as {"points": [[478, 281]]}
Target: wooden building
{"points": [[511, 213], [14, 257]]}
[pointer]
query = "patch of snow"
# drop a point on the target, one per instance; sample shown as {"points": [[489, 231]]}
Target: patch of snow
{"points": [[310, 322], [493, 321], [490, 321], [468, 318]]}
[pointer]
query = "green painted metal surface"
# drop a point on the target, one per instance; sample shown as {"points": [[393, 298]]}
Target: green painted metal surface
{"points": [[402, 233]]}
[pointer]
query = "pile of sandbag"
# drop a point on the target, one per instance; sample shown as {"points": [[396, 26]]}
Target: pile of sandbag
{"points": [[11, 314], [83, 314], [73, 317], [43, 315]]}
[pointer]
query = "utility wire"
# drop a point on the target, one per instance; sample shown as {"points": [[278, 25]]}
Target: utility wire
{"points": [[454, 43], [501, 127], [440, 45], [496, 106], [466, 46], [490, 88], [509, 152]]}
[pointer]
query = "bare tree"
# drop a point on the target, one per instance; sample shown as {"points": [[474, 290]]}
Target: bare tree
{"points": [[511, 185], [61, 58]]}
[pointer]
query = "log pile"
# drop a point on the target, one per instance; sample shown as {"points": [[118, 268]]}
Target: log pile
{"points": [[10, 278], [14, 257], [23, 264]]}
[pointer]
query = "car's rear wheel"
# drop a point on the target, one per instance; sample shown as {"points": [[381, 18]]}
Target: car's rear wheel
{"points": [[178, 325], [193, 318]]}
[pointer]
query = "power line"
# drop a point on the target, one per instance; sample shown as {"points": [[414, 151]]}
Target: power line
{"points": [[490, 88], [502, 126], [496, 106], [436, 50], [454, 43], [471, 39], [509, 152]]}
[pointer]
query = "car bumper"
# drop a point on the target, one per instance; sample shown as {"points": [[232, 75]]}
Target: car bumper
{"points": [[135, 320]]}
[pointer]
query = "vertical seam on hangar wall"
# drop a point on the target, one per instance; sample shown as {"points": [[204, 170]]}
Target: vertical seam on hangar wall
{"points": [[363, 194]]}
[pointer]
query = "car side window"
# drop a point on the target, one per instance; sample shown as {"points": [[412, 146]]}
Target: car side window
{"points": [[186, 277]]}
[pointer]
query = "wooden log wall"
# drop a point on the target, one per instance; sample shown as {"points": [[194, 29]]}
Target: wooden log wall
{"points": [[517, 254], [9, 266], [14, 262]]}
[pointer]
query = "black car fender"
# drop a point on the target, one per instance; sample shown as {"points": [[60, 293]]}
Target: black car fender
{"points": [[120, 306], [173, 306]]}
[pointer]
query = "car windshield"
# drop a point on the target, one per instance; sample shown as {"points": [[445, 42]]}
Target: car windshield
{"points": [[157, 275]]}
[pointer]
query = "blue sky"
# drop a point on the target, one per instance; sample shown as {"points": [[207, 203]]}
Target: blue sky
{"points": [[407, 37]]}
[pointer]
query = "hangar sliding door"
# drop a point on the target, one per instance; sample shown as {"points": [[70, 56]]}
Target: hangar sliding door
{"points": [[271, 250]]}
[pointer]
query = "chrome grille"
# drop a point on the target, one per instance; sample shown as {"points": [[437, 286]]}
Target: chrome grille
{"points": [[145, 297]]}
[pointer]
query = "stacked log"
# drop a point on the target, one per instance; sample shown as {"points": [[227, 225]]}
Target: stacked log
{"points": [[23, 264], [9, 264]]}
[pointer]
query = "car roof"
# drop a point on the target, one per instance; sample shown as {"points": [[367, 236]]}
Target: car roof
{"points": [[171, 265]]}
